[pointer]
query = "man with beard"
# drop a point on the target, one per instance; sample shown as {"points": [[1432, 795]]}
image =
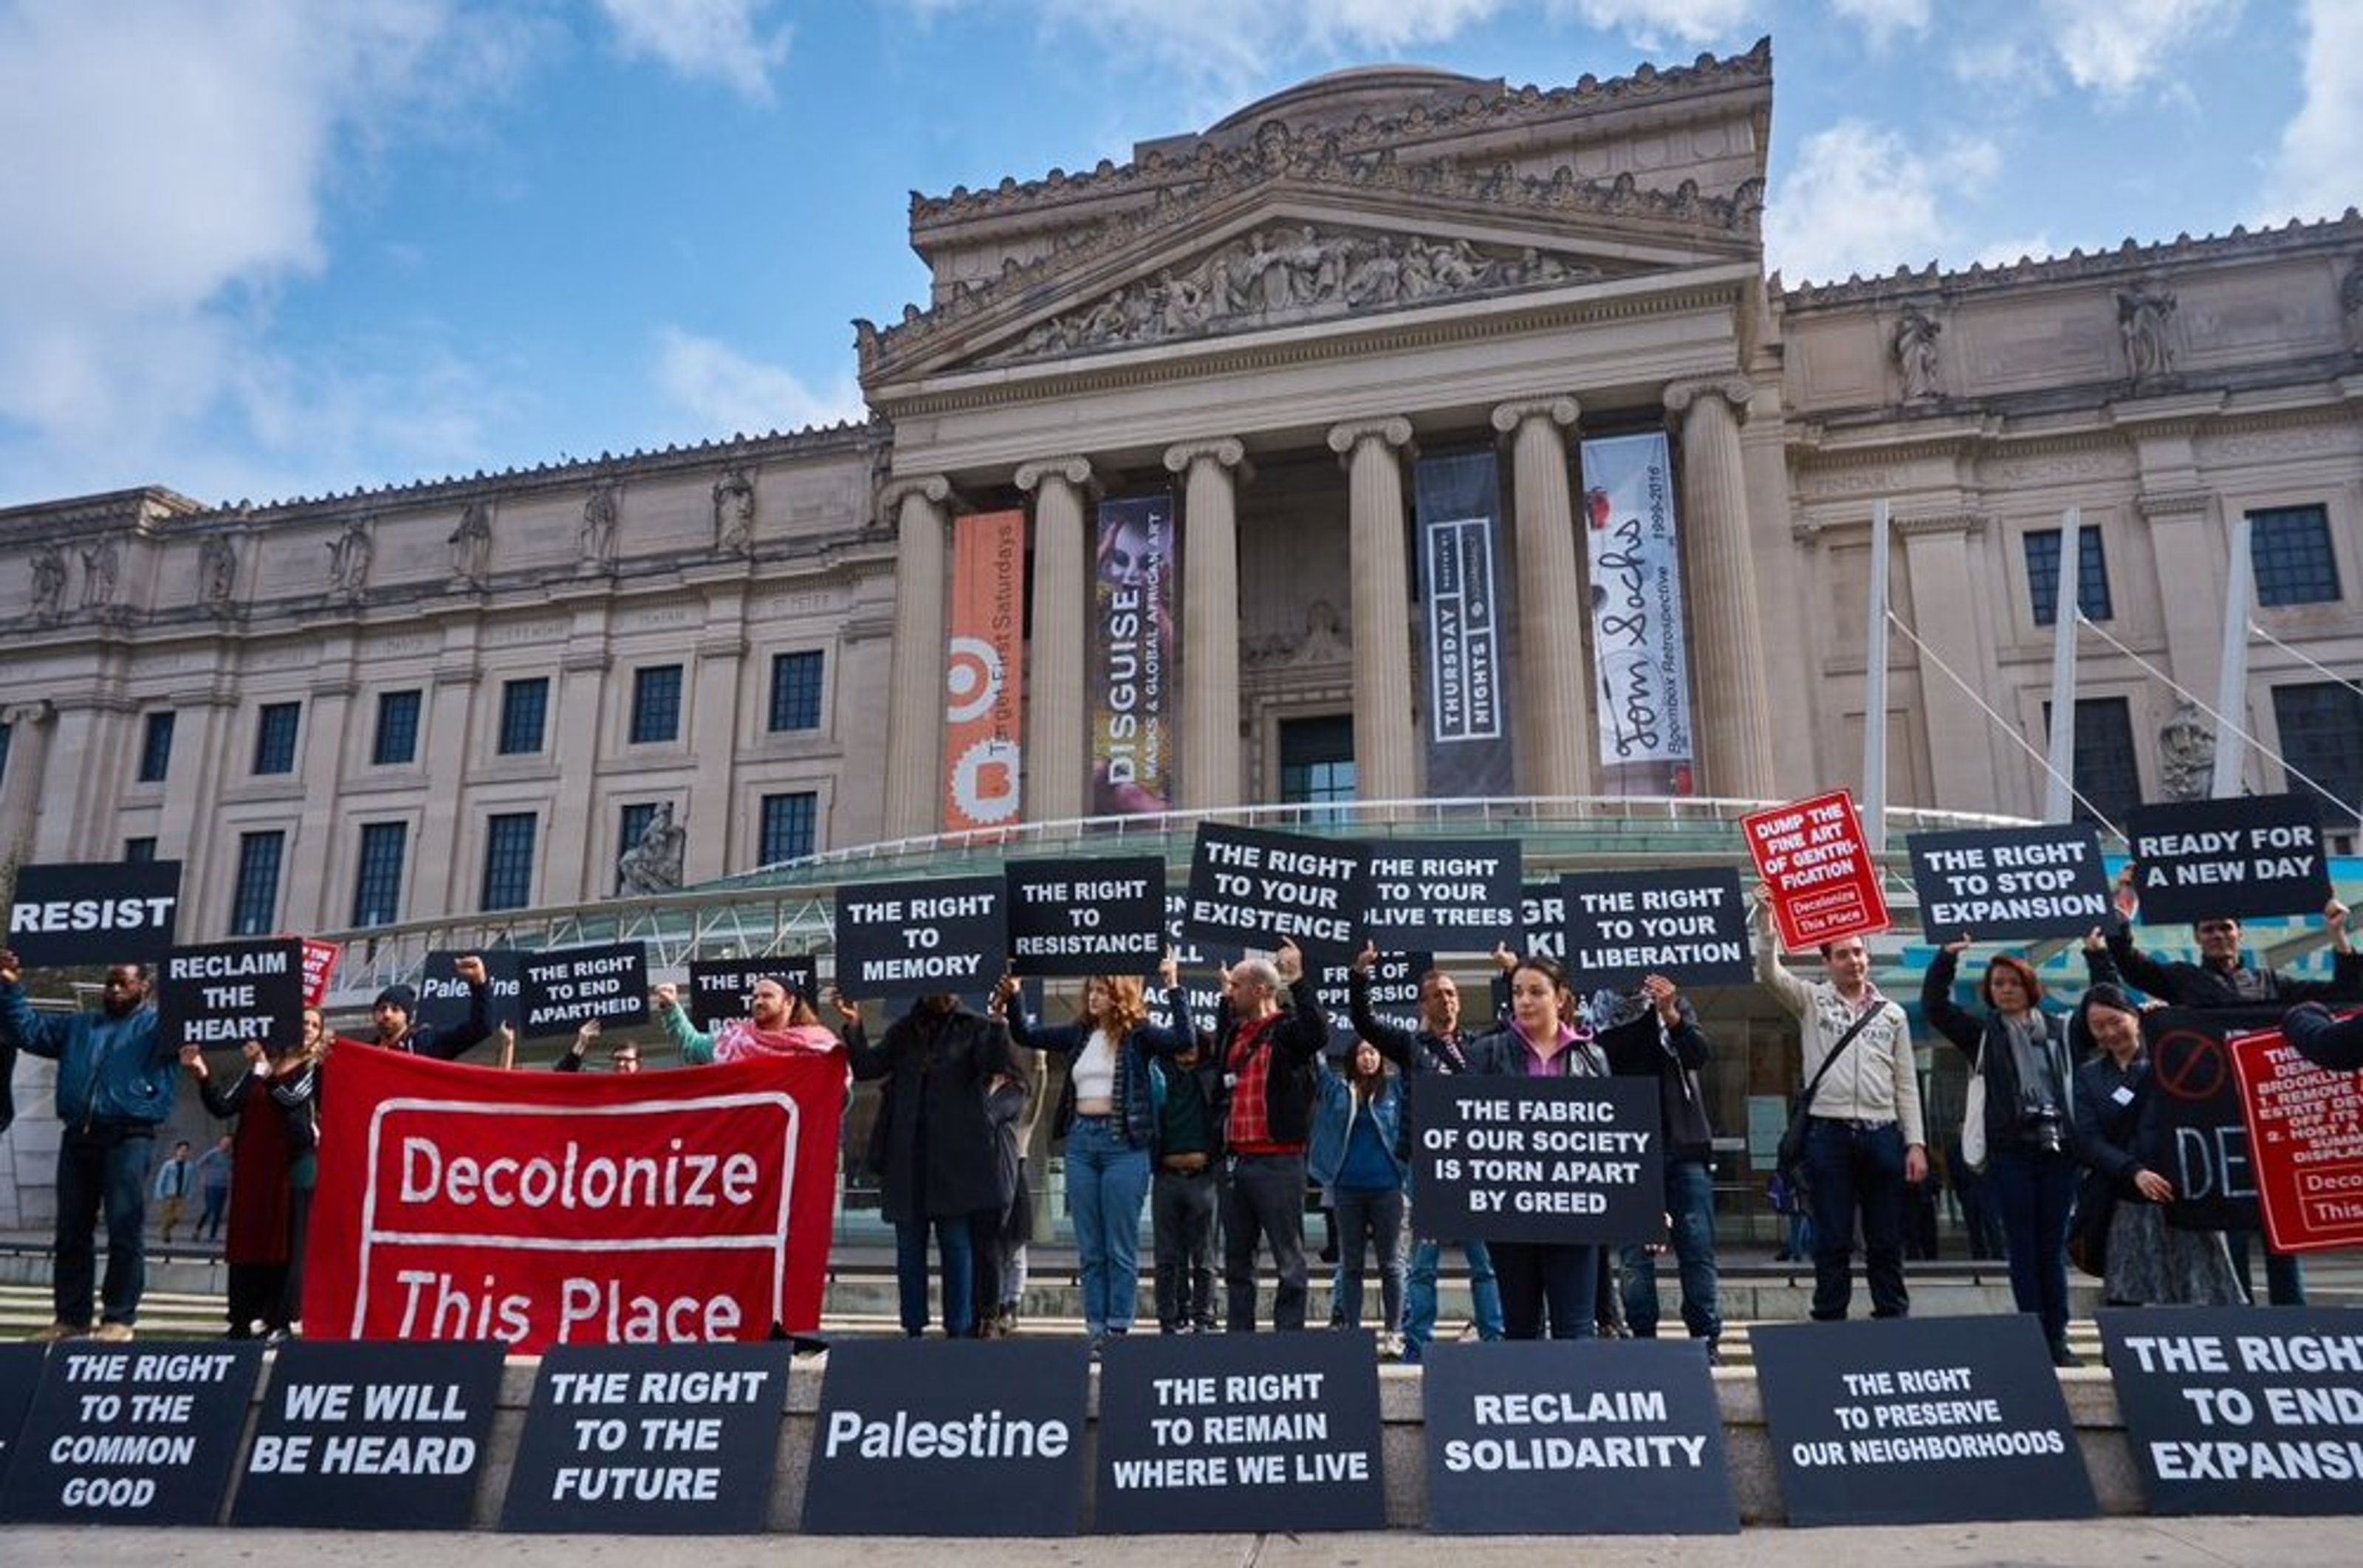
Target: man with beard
{"points": [[396, 1010], [116, 1082]]}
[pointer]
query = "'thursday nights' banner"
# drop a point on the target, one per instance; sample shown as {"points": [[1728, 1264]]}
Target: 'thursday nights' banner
{"points": [[983, 756], [1462, 587], [1633, 550], [1132, 663]]}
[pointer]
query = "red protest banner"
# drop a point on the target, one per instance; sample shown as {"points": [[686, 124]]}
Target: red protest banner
{"points": [[2305, 1143], [1812, 855], [541, 1208]]}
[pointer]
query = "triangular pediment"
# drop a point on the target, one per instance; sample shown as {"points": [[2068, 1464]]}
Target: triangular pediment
{"points": [[1317, 237]]}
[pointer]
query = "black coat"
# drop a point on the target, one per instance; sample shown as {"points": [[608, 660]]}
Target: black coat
{"points": [[1295, 1038], [1988, 1036], [933, 1145], [1640, 1048]]}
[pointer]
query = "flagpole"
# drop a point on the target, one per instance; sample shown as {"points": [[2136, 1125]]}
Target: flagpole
{"points": [[2067, 605], [2231, 688], [1874, 694]]}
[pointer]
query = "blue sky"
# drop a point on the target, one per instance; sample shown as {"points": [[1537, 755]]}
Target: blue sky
{"points": [[264, 248]]}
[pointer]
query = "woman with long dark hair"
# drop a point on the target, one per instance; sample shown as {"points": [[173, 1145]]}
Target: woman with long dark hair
{"points": [[1539, 1280], [275, 1165], [1356, 1157]]}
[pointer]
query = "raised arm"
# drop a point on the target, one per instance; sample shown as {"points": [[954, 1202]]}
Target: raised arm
{"points": [[1945, 1016]]}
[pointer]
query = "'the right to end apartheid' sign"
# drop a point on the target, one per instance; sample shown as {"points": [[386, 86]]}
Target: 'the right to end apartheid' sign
{"points": [[2006, 884], [2305, 1139], [1691, 925], [1517, 1159], [1813, 857], [2247, 855], [1578, 1439], [1919, 1420], [2241, 1409]]}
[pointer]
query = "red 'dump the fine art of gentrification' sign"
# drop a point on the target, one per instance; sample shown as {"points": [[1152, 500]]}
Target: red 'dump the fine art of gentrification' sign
{"points": [[541, 1208]]}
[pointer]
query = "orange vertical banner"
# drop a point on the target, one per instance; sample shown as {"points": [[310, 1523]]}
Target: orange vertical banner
{"points": [[983, 678]]}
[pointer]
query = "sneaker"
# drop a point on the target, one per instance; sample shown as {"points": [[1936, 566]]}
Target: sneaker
{"points": [[2062, 1356], [111, 1334], [57, 1333]]}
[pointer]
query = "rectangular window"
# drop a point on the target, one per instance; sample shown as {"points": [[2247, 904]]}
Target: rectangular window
{"points": [[634, 823], [274, 737], [656, 704], [2106, 775], [254, 902], [2289, 550], [1316, 760], [397, 730], [377, 883], [2043, 574], [2321, 726], [139, 850], [788, 827], [508, 860], [796, 691], [156, 748], [524, 709]]}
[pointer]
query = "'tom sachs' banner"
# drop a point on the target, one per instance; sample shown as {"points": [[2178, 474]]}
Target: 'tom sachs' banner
{"points": [[1462, 586], [541, 1208], [1132, 664], [984, 772], [1633, 550]]}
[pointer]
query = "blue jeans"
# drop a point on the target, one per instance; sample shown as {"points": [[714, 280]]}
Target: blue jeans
{"points": [[1107, 1182], [954, 1247], [101, 1167], [1419, 1295], [1375, 1219], [2035, 1192], [2284, 1272], [1850, 1169], [1689, 1204], [1541, 1278]]}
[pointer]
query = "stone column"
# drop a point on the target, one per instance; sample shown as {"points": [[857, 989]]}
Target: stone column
{"points": [[1733, 719], [712, 736], [307, 900], [1209, 739], [1384, 765], [29, 727], [1555, 743], [582, 673], [915, 702], [1961, 750], [448, 857], [1058, 763]]}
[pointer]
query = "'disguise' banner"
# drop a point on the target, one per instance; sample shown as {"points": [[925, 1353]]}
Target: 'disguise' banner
{"points": [[983, 753], [1132, 658], [1633, 553], [1464, 590], [542, 1209]]}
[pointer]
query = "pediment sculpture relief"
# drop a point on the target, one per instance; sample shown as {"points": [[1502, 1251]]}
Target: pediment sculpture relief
{"points": [[1290, 272]]}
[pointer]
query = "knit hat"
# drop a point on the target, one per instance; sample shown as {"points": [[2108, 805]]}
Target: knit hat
{"points": [[401, 996]]}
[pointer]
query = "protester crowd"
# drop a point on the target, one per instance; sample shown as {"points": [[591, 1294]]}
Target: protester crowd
{"points": [[1219, 1129]]}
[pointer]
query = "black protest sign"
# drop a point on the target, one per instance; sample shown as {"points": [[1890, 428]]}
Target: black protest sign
{"points": [[443, 1000], [1545, 916], [650, 1440], [20, 1374], [1394, 994], [407, 1421], [1691, 925], [2010, 884], [1519, 1159], [1239, 1432], [1087, 917], [1261, 889], [1187, 949], [121, 913], [1202, 998], [952, 1438], [2251, 854], [905, 939], [2238, 1411], [566, 987], [1919, 1420], [723, 991], [1578, 1439], [2193, 1130], [131, 1435], [224, 994], [1455, 897]]}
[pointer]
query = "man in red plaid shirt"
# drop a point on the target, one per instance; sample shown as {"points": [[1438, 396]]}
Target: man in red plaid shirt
{"points": [[1270, 1055]]}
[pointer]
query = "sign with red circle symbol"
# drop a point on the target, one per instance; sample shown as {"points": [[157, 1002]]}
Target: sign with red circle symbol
{"points": [[2195, 1131]]}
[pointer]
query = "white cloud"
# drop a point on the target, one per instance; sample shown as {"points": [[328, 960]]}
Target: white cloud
{"points": [[164, 183], [1999, 60], [2312, 173], [1884, 19], [720, 40], [1865, 200], [1650, 23], [2115, 46], [725, 393], [2008, 251]]}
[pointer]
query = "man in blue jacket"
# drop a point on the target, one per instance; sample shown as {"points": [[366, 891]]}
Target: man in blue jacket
{"points": [[115, 1080]]}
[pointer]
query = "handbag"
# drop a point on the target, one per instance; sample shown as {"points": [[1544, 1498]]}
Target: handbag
{"points": [[1789, 1156], [1973, 1115]]}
